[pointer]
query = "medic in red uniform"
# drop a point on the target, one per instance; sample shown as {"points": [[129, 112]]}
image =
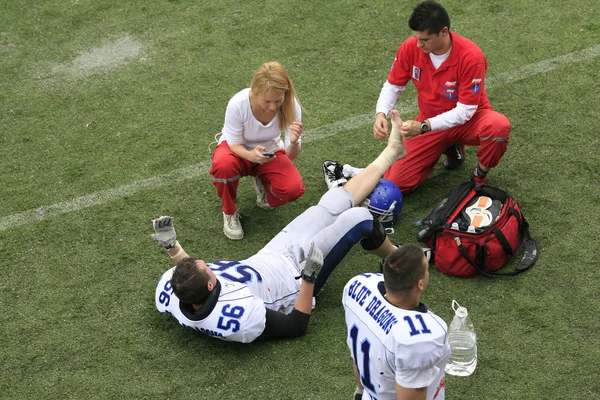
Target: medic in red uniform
{"points": [[448, 72]]}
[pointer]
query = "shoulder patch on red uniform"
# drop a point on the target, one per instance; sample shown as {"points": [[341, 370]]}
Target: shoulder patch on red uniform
{"points": [[475, 85], [416, 73]]}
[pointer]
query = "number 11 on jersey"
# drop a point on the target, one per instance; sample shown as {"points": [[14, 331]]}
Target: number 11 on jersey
{"points": [[364, 368], [413, 330]]}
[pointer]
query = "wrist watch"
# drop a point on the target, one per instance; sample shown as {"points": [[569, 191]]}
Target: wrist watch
{"points": [[424, 127]]}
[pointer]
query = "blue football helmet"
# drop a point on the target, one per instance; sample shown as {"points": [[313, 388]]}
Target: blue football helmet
{"points": [[385, 202]]}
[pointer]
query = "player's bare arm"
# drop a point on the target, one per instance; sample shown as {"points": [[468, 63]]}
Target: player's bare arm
{"points": [[358, 392]]}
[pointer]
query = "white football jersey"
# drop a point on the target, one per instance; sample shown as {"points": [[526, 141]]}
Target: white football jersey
{"points": [[269, 275], [391, 345], [246, 289]]}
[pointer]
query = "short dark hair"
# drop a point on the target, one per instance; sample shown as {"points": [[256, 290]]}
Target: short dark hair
{"points": [[430, 17], [190, 283], [404, 268]]}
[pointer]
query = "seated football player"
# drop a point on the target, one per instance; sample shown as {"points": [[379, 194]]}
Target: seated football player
{"points": [[407, 344], [262, 296]]}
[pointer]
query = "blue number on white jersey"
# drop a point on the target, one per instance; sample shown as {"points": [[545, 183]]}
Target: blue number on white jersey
{"points": [[165, 296], [227, 269], [413, 330], [364, 370], [234, 314]]}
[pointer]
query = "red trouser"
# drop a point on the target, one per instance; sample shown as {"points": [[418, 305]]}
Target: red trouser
{"points": [[487, 129], [280, 177]]}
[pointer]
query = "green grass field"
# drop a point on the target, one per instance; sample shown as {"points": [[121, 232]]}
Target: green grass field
{"points": [[107, 109]]}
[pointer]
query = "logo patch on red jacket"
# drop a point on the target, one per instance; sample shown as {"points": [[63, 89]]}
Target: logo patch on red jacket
{"points": [[416, 73], [475, 85], [450, 90]]}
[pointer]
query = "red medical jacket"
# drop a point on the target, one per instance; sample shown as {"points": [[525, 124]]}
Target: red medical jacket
{"points": [[461, 76]]}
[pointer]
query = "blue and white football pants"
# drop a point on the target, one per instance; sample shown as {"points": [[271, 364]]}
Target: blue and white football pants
{"points": [[334, 225]]}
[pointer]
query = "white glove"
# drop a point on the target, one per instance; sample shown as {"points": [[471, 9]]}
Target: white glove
{"points": [[164, 232], [311, 262]]}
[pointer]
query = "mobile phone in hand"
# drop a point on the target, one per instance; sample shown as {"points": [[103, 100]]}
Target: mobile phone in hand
{"points": [[267, 153]]}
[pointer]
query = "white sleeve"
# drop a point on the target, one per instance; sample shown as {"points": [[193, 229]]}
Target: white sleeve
{"points": [[164, 291], [457, 116], [253, 325], [388, 97], [298, 110], [238, 320], [416, 363], [233, 129]]}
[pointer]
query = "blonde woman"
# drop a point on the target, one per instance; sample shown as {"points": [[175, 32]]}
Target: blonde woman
{"points": [[251, 144]]}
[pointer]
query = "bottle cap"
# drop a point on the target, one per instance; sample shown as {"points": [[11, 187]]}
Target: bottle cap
{"points": [[459, 310]]}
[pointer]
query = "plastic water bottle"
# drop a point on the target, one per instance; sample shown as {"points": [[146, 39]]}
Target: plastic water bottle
{"points": [[471, 229], [454, 226], [463, 343]]}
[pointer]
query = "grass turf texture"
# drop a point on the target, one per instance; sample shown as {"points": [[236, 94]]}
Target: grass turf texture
{"points": [[99, 95]]}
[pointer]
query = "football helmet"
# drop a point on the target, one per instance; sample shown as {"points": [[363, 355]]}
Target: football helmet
{"points": [[385, 202]]}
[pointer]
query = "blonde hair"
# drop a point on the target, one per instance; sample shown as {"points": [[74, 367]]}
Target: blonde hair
{"points": [[273, 76]]}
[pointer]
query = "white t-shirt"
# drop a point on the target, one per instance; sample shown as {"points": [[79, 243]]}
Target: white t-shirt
{"points": [[246, 289], [241, 127], [391, 345]]}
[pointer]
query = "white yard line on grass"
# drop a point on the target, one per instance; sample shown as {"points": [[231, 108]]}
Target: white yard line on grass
{"points": [[196, 170], [106, 57]]}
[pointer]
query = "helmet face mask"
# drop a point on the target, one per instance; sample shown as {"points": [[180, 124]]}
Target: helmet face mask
{"points": [[386, 217], [385, 202]]}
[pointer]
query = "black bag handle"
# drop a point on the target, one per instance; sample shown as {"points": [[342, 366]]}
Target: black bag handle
{"points": [[463, 252], [503, 241], [530, 253]]}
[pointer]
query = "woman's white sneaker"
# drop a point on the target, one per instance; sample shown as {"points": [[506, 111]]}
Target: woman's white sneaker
{"points": [[232, 227]]}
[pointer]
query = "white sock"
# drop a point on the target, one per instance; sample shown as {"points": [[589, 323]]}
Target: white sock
{"points": [[349, 171]]}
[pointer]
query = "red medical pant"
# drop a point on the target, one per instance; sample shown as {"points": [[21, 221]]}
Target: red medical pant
{"points": [[488, 129], [280, 177]]}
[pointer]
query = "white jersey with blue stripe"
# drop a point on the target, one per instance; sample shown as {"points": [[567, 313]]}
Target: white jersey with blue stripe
{"points": [[236, 315], [273, 274], [391, 345], [245, 289]]}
